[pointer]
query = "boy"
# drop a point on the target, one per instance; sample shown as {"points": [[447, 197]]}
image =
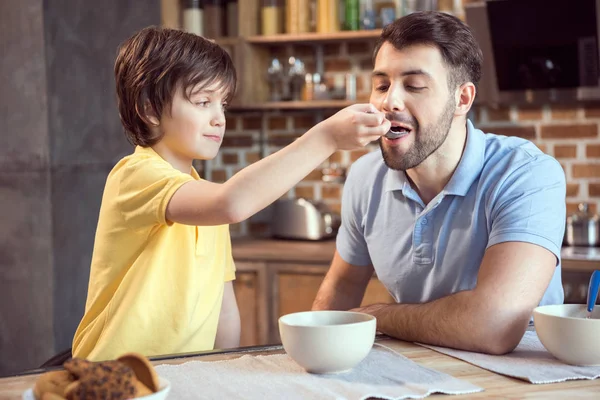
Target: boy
{"points": [[161, 272]]}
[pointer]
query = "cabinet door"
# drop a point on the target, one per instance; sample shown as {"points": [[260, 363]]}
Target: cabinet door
{"points": [[296, 289], [245, 287], [376, 293], [251, 294]]}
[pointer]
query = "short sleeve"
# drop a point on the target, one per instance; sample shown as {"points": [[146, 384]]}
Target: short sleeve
{"points": [[530, 206], [350, 242], [146, 186]]}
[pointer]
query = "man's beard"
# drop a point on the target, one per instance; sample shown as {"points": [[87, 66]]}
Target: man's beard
{"points": [[426, 142]]}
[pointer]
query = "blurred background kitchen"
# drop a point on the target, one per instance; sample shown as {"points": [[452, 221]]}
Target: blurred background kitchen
{"points": [[298, 61]]}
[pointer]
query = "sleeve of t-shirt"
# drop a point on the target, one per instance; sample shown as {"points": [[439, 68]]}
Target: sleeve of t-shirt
{"points": [[350, 242], [530, 206], [145, 189], [230, 264]]}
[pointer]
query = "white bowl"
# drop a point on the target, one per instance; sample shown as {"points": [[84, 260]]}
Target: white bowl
{"points": [[165, 387], [325, 342], [567, 334]]}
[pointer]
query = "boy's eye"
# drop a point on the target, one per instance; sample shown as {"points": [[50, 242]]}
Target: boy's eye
{"points": [[204, 103]]}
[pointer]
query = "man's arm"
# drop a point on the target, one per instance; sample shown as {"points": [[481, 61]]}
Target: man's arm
{"points": [[343, 287], [491, 318], [228, 331]]}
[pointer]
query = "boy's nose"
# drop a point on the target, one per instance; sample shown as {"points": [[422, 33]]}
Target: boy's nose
{"points": [[218, 120]]}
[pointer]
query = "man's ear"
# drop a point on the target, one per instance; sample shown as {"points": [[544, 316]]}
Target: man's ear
{"points": [[150, 114], [465, 95]]}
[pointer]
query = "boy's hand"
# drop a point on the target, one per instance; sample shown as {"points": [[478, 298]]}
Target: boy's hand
{"points": [[355, 126]]}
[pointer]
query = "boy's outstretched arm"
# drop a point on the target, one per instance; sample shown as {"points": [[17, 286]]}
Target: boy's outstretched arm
{"points": [[260, 184]]}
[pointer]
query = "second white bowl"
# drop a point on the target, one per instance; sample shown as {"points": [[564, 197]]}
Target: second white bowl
{"points": [[567, 334]]}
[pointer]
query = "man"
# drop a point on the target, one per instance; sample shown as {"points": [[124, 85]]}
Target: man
{"points": [[463, 228]]}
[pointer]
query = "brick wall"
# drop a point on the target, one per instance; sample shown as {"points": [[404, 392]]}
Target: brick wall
{"points": [[569, 134]]}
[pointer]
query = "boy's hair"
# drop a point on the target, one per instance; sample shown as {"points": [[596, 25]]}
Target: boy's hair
{"points": [[451, 36], [153, 63]]}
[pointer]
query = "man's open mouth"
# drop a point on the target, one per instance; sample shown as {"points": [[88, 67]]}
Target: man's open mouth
{"points": [[398, 131]]}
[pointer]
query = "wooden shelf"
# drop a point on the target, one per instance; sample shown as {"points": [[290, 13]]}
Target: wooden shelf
{"points": [[315, 37], [227, 41], [293, 105]]}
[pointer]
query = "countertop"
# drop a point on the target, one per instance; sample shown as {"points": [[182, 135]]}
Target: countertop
{"points": [[495, 386], [321, 252]]}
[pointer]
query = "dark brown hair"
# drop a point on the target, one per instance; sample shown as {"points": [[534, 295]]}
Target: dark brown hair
{"points": [[153, 63], [451, 36]]}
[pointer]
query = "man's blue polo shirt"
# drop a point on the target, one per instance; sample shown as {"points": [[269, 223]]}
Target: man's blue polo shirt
{"points": [[503, 190]]}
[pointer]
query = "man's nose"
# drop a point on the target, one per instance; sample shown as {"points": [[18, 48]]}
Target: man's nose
{"points": [[394, 101]]}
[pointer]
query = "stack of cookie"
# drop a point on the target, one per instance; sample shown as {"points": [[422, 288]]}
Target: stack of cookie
{"points": [[130, 376]]}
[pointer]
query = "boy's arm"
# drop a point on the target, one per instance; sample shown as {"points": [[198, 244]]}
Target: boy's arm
{"points": [[228, 331], [260, 184]]}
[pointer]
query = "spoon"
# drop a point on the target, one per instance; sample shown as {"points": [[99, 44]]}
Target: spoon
{"points": [[592, 294], [390, 134], [393, 135]]}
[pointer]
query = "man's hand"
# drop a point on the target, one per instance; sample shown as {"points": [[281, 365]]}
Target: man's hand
{"points": [[372, 309]]}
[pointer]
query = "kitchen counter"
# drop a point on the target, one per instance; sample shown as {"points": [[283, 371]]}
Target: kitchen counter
{"points": [[581, 254], [496, 386], [253, 249], [321, 252], [290, 272]]}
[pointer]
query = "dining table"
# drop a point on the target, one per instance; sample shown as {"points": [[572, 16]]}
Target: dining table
{"points": [[494, 385]]}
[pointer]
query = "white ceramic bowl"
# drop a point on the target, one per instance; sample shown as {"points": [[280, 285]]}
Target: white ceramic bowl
{"points": [[567, 334], [165, 387], [325, 342]]}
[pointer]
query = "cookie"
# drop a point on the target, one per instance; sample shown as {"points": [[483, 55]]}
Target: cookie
{"points": [[52, 382], [143, 370], [102, 380], [141, 389], [77, 366]]}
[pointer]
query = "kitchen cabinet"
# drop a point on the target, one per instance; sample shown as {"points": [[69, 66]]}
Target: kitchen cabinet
{"points": [[275, 278], [250, 291], [295, 288]]}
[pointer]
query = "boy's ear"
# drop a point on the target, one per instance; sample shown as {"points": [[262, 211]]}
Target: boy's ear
{"points": [[150, 114]]}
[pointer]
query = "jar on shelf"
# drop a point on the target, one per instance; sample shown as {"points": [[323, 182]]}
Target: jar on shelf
{"points": [[297, 16], [271, 17], [214, 15], [446, 6], [232, 18], [352, 15], [367, 15], [328, 16], [193, 20]]}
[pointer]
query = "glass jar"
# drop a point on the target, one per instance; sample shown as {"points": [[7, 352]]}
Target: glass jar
{"points": [[192, 17], [271, 14], [214, 14]]}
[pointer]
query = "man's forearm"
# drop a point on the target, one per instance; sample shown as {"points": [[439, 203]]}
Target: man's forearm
{"points": [[459, 321], [338, 296]]}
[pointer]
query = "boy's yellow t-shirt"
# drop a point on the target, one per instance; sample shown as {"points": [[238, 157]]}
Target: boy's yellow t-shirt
{"points": [[155, 287]]}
